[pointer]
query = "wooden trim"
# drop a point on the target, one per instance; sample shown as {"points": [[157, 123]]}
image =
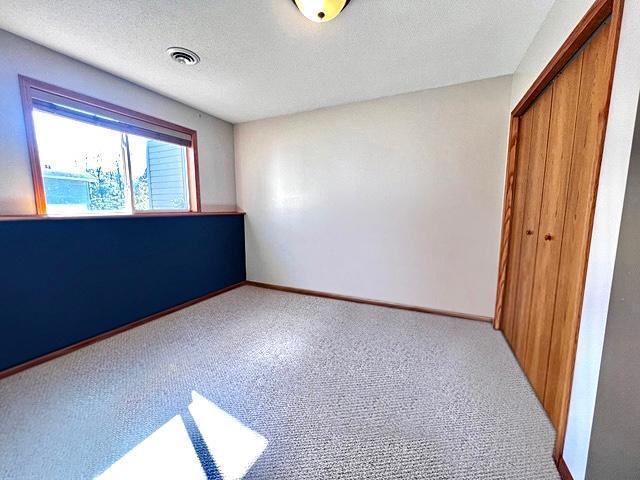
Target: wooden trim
{"points": [[6, 218], [112, 107], [594, 17], [66, 108], [509, 183], [563, 470], [194, 174], [587, 26], [103, 336], [36, 171], [367, 301], [28, 84], [614, 38], [84, 343]]}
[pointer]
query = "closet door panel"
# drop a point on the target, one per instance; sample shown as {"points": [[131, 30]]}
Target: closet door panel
{"points": [[549, 239], [589, 130], [519, 200], [535, 182]]}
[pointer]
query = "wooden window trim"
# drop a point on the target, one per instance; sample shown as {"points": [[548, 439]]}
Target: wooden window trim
{"points": [[27, 88], [154, 214]]}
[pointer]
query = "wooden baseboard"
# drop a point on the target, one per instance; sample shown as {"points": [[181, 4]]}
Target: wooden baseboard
{"points": [[565, 474], [84, 343], [378, 303], [76, 346]]}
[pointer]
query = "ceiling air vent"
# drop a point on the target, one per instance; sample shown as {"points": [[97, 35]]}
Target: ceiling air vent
{"points": [[183, 56]]}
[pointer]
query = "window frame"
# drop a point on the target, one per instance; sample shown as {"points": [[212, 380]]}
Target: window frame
{"points": [[29, 89]]}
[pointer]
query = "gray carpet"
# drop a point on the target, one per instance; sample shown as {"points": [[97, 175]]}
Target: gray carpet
{"points": [[339, 390]]}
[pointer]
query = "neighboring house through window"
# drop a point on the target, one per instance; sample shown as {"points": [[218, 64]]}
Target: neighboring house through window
{"points": [[92, 157]]}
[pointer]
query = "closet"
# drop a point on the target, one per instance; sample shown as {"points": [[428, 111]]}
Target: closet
{"points": [[556, 150]]}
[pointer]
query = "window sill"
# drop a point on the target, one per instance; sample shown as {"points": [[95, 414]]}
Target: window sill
{"points": [[123, 215]]}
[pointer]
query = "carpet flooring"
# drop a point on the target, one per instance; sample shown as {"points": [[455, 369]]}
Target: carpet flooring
{"points": [[331, 389]]}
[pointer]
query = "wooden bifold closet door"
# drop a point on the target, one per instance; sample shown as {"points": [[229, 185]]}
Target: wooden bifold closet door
{"points": [[557, 163]]}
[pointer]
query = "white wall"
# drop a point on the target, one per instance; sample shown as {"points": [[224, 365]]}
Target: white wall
{"points": [[561, 20], [604, 243], [397, 199], [20, 56]]}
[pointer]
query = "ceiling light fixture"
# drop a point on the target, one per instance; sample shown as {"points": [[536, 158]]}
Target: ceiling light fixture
{"points": [[183, 56], [321, 11]]}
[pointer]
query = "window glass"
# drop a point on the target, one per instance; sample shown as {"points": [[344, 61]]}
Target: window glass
{"points": [[159, 174], [89, 169], [83, 166]]}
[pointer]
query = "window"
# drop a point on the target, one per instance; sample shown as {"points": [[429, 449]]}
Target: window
{"points": [[91, 157]]}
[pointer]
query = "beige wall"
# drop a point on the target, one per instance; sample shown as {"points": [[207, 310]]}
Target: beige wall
{"points": [[20, 56], [614, 450], [397, 199]]}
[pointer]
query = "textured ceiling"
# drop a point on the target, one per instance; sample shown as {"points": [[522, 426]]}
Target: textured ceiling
{"points": [[262, 58]]}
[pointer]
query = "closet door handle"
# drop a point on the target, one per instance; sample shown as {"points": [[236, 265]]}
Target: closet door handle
{"points": [[548, 237]]}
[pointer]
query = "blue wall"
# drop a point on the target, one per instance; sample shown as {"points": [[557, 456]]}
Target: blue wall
{"points": [[67, 280]]}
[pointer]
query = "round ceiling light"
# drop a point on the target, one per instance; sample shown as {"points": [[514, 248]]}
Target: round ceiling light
{"points": [[183, 56], [321, 11]]}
